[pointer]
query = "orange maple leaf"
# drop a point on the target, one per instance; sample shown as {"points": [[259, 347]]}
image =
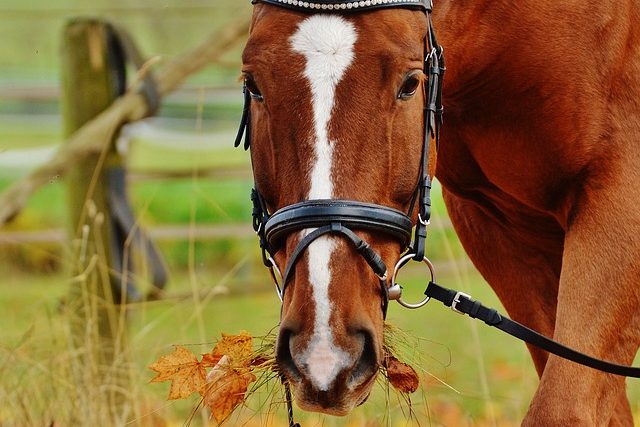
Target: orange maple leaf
{"points": [[210, 360], [239, 348], [182, 368], [226, 388], [401, 376]]}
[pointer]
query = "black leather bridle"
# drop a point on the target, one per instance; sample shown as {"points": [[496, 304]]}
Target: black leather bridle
{"points": [[341, 217]]}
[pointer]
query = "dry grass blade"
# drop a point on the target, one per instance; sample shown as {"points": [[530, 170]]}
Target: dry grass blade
{"points": [[400, 342]]}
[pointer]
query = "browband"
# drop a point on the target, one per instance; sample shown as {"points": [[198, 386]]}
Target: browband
{"points": [[346, 6], [351, 214]]}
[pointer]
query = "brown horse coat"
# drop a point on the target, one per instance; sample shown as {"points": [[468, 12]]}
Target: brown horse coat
{"points": [[540, 163]]}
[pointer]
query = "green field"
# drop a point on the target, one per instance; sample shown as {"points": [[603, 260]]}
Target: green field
{"points": [[471, 375], [469, 372]]}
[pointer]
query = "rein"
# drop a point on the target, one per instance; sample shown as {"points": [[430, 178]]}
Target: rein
{"points": [[462, 303], [340, 217]]}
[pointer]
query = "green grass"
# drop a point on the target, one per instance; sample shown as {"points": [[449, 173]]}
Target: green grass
{"points": [[32, 302], [455, 355], [159, 202], [442, 346], [17, 133], [470, 372], [488, 375], [154, 158]]}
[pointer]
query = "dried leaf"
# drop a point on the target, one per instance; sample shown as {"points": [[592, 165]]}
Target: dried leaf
{"points": [[239, 348], [210, 360], [182, 368], [226, 385], [226, 388], [401, 376]]}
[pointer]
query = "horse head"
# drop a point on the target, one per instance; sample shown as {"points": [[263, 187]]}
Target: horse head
{"points": [[335, 110]]}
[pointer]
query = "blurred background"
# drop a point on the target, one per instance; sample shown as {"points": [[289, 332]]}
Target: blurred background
{"points": [[189, 190]]}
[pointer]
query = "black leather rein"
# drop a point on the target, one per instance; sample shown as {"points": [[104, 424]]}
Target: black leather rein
{"points": [[463, 304]]}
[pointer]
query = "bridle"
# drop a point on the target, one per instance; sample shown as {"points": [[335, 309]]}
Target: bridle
{"points": [[342, 217]]}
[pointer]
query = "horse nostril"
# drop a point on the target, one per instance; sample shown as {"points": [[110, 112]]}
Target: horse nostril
{"points": [[283, 356], [329, 369], [367, 364]]}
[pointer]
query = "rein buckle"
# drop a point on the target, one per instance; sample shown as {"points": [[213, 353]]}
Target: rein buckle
{"points": [[456, 301]]}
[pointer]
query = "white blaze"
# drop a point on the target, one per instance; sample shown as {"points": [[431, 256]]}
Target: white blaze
{"points": [[327, 42]]}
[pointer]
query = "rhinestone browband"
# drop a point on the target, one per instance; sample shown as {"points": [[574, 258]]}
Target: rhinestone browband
{"points": [[347, 5]]}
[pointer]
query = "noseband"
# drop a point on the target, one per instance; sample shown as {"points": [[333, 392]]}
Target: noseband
{"points": [[341, 217]]}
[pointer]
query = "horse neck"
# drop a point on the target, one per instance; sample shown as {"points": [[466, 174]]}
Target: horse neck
{"points": [[469, 32], [516, 71], [486, 39]]}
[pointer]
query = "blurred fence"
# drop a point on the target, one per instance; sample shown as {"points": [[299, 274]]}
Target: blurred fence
{"points": [[48, 92], [31, 30]]}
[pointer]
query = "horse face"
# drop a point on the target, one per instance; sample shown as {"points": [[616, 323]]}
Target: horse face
{"points": [[337, 113]]}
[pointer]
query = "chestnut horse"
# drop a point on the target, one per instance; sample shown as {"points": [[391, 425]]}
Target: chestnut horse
{"points": [[538, 161]]}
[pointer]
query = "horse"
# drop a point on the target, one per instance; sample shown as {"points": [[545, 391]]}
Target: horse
{"points": [[538, 162]]}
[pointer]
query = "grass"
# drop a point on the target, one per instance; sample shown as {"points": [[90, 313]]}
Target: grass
{"points": [[38, 325], [454, 355], [471, 374]]}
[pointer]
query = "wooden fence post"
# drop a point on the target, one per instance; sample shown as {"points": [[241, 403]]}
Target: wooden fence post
{"points": [[93, 75]]}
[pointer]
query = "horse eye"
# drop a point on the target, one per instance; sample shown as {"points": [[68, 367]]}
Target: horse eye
{"points": [[252, 87], [409, 86]]}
